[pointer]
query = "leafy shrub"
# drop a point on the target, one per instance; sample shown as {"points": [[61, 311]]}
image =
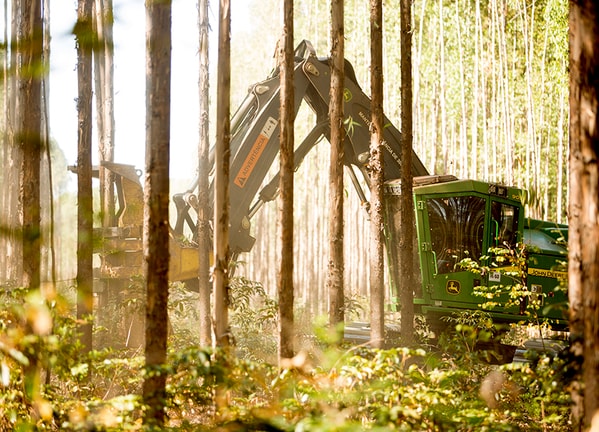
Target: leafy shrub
{"points": [[331, 387]]}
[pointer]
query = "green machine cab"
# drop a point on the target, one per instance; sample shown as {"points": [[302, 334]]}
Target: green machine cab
{"points": [[481, 225]]}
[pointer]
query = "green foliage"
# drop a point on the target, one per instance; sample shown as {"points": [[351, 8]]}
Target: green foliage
{"points": [[542, 390], [329, 388], [512, 264], [253, 320]]}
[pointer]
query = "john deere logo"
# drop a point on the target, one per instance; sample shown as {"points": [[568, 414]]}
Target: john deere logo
{"points": [[453, 287], [347, 96]]}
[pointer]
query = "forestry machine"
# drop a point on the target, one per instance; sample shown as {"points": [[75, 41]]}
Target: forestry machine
{"points": [[455, 219]]}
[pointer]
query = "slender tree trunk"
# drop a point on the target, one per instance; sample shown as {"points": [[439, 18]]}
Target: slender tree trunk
{"points": [[583, 267], [377, 260], [204, 236], [158, 116], [29, 134], [442, 83], [476, 90], [28, 146], [15, 252], [560, 160], [104, 83], [285, 282], [11, 271], [84, 172], [335, 283], [406, 243], [4, 157], [104, 87], [221, 179], [48, 263]]}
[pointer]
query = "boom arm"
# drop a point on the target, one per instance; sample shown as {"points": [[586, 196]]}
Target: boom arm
{"points": [[255, 141]]}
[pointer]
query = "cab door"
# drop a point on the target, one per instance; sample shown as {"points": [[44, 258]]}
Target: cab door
{"points": [[455, 230], [504, 276]]}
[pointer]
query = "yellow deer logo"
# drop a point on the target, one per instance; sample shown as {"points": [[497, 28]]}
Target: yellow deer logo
{"points": [[453, 287]]}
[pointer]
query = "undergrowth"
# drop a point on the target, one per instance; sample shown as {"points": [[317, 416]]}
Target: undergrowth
{"points": [[47, 385]]}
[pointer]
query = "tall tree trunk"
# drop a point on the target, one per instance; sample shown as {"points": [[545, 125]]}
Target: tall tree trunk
{"points": [[221, 178], [103, 56], [28, 145], [83, 34], [560, 160], [287, 113], [156, 232], [49, 263], [11, 261], [204, 236], [406, 243], [334, 282], [29, 134], [4, 157], [583, 267], [377, 259], [104, 81], [442, 83]]}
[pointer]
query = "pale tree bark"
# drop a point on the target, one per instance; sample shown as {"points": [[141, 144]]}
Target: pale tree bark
{"points": [[83, 34], [377, 259], [221, 178], [12, 262], [334, 281], [560, 160], [204, 235], [583, 266], [29, 134], [49, 265], [103, 57], [104, 84], [156, 229], [4, 159], [477, 89], [15, 251], [406, 240], [480, 88], [28, 147], [442, 85], [287, 116]]}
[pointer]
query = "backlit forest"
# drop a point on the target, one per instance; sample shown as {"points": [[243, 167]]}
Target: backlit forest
{"points": [[104, 340]]}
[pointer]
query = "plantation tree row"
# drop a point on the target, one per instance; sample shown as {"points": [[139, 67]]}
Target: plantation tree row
{"points": [[512, 57]]}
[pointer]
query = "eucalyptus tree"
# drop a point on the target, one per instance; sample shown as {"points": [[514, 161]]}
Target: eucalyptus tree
{"points": [[28, 129], [84, 38], [287, 116], [28, 142], [334, 283], [406, 243], [103, 20], [156, 200], [204, 234], [376, 170], [222, 254], [11, 261], [583, 266]]}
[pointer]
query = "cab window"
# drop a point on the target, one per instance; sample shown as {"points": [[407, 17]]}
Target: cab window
{"points": [[504, 224], [456, 229]]}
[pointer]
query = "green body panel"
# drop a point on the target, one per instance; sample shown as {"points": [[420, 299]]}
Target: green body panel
{"points": [[460, 220], [547, 267]]}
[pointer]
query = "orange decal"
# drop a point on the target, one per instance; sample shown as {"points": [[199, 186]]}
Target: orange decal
{"points": [[256, 151]]}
